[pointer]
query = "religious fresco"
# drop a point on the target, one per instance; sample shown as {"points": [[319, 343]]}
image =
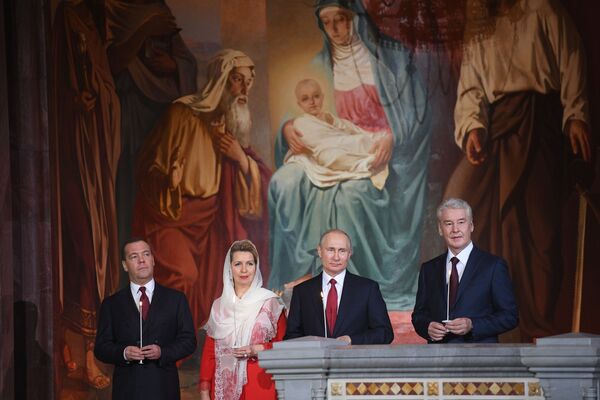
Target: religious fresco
{"points": [[376, 86], [86, 112], [396, 70]]}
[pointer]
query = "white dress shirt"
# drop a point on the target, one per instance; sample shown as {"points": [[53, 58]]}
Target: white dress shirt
{"points": [[463, 257], [339, 285], [137, 294]]}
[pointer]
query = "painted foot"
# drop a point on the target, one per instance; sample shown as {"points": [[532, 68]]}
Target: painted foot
{"points": [[68, 359], [95, 377]]}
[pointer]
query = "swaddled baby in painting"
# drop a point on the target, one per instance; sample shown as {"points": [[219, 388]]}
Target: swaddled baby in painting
{"points": [[339, 150]]}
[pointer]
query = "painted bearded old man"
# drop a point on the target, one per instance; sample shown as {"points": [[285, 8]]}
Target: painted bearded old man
{"points": [[201, 186]]}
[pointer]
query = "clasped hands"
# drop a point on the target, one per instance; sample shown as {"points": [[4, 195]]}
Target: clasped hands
{"points": [[457, 326], [149, 352]]}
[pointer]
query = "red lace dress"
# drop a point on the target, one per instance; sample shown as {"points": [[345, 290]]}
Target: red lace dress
{"points": [[259, 384]]}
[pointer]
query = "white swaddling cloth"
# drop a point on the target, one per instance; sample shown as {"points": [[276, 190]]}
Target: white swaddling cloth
{"points": [[340, 152]]}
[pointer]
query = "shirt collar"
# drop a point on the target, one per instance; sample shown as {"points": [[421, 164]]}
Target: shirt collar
{"points": [[339, 278], [463, 256], [135, 288]]}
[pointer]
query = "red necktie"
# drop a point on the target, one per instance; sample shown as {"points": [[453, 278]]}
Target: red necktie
{"points": [[145, 302], [331, 308], [453, 281]]}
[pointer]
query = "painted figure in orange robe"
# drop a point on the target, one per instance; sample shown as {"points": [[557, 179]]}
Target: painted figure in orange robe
{"points": [[152, 67], [201, 185]]}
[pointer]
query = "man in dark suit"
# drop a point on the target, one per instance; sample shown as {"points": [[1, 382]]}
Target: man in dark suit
{"points": [[356, 312], [167, 333], [476, 284]]}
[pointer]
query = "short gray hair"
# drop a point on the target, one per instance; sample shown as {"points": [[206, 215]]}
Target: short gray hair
{"points": [[335, 230], [455, 204]]}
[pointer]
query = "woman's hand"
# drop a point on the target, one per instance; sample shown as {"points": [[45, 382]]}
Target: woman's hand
{"points": [[293, 139], [204, 395], [383, 152], [246, 352]]}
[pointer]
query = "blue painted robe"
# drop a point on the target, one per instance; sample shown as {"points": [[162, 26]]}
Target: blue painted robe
{"points": [[385, 226]]}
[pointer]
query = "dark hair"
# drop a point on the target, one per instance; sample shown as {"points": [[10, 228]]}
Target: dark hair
{"points": [[243, 245], [129, 241]]}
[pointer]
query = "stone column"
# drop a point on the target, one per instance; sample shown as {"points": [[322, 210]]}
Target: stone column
{"points": [[299, 367], [568, 366]]}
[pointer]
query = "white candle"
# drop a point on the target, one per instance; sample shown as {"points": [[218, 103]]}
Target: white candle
{"points": [[141, 345], [448, 297], [324, 314]]}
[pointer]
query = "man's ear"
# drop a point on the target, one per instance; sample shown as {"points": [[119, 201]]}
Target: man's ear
{"points": [[319, 250], [124, 266], [440, 230]]}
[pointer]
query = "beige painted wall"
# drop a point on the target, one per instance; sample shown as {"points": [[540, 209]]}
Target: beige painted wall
{"points": [[294, 39]]}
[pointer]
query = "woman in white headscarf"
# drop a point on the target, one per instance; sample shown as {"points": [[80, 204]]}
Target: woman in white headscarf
{"points": [[246, 319]]}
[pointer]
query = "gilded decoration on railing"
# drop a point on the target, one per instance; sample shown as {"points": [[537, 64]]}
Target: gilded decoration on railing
{"points": [[433, 388]]}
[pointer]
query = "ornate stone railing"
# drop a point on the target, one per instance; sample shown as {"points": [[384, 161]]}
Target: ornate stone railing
{"points": [[560, 367]]}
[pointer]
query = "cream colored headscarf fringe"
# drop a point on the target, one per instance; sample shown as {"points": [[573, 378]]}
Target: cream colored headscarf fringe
{"points": [[218, 71]]}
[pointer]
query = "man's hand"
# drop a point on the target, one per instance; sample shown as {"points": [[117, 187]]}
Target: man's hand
{"points": [[460, 326], [292, 137], [151, 352], [579, 136], [474, 148], [231, 148], [383, 152], [436, 331], [133, 353], [345, 338]]}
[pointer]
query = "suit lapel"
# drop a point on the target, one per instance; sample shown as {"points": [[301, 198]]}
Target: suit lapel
{"points": [[317, 300], [129, 302], [441, 277], [345, 302], [129, 315], [470, 271]]}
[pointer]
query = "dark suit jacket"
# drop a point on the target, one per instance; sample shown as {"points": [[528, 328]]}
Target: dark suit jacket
{"points": [[169, 324], [362, 313], [485, 295]]}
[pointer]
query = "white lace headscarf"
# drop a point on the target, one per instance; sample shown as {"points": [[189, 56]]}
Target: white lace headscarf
{"points": [[231, 322], [218, 71]]}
